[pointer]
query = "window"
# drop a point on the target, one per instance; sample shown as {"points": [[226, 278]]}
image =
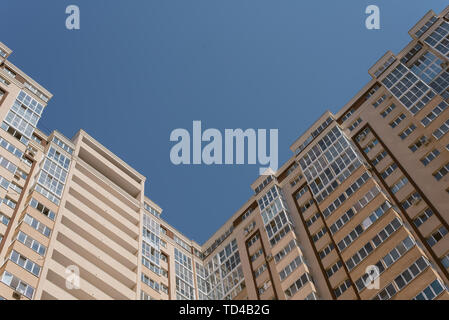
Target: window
{"points": [[442, 130], [389, 170], [35, 224], [15, 187], [306, 206], [430, 156], [379, 157], [292, 266], [263, 184], [8, 165], [24, 114], [348, 192], [357, 207], [436, 236], [334, 268], [375, 242], [63, 145], [145, 296], [387, 261], [319, 234], [404, 134], [397, 121], [164, 288], [403, 279], [434, 113], [445, 260], [427, 67], [10, 203], [150, 282], [22, 173], [426, 26], [351, 237], [413, 93], [151, 266], [379, 101], [31, 243], [315, 133], [438, 38], [4, 219], [25, 263], [17, 284], [151, 210], [423, 217], [342, 288], [281, 234], [347, 115], [387, 111], [9, 147], [413, 199], [286, 250], [256, 255], [385, 66], [253, 240], [182, 243], [298, 284], [312, 219], [399, 184], [276, 224], [301, 192], [441, 172], [59, 158], [260, 270], [323, 253], [4, 183], [370, 146], [418, 143], [42, 209], [271, 211], [337, 225], [357, 231], [408, 275], [431, 291], [355, 124]]}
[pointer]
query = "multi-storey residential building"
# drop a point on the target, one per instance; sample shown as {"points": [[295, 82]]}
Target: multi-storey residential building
{"points": [[360, 211]]}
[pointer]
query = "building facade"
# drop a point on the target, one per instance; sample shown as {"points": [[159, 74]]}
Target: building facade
{"points": [[360, 211]]}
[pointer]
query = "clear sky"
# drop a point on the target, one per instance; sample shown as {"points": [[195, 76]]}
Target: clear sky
{"points": [[138, 69]]}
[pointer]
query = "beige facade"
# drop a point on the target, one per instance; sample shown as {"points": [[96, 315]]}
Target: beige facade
{"points": [[360, 211]]}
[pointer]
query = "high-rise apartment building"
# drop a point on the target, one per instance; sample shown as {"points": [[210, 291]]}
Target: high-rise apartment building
{"points": [[360, 211]]}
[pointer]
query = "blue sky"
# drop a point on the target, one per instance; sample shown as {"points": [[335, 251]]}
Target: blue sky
{"points": [[136, 70]]}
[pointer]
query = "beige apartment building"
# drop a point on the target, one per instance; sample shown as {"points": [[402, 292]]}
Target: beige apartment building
{"points": [[360, 211]]}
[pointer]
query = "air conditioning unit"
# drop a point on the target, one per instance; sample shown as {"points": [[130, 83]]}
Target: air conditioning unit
{"points": [[444, 65], [16, 295], [362, 137], [416, 201], [269, 258], [16, 176], [427, 141], [31, 154]]}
